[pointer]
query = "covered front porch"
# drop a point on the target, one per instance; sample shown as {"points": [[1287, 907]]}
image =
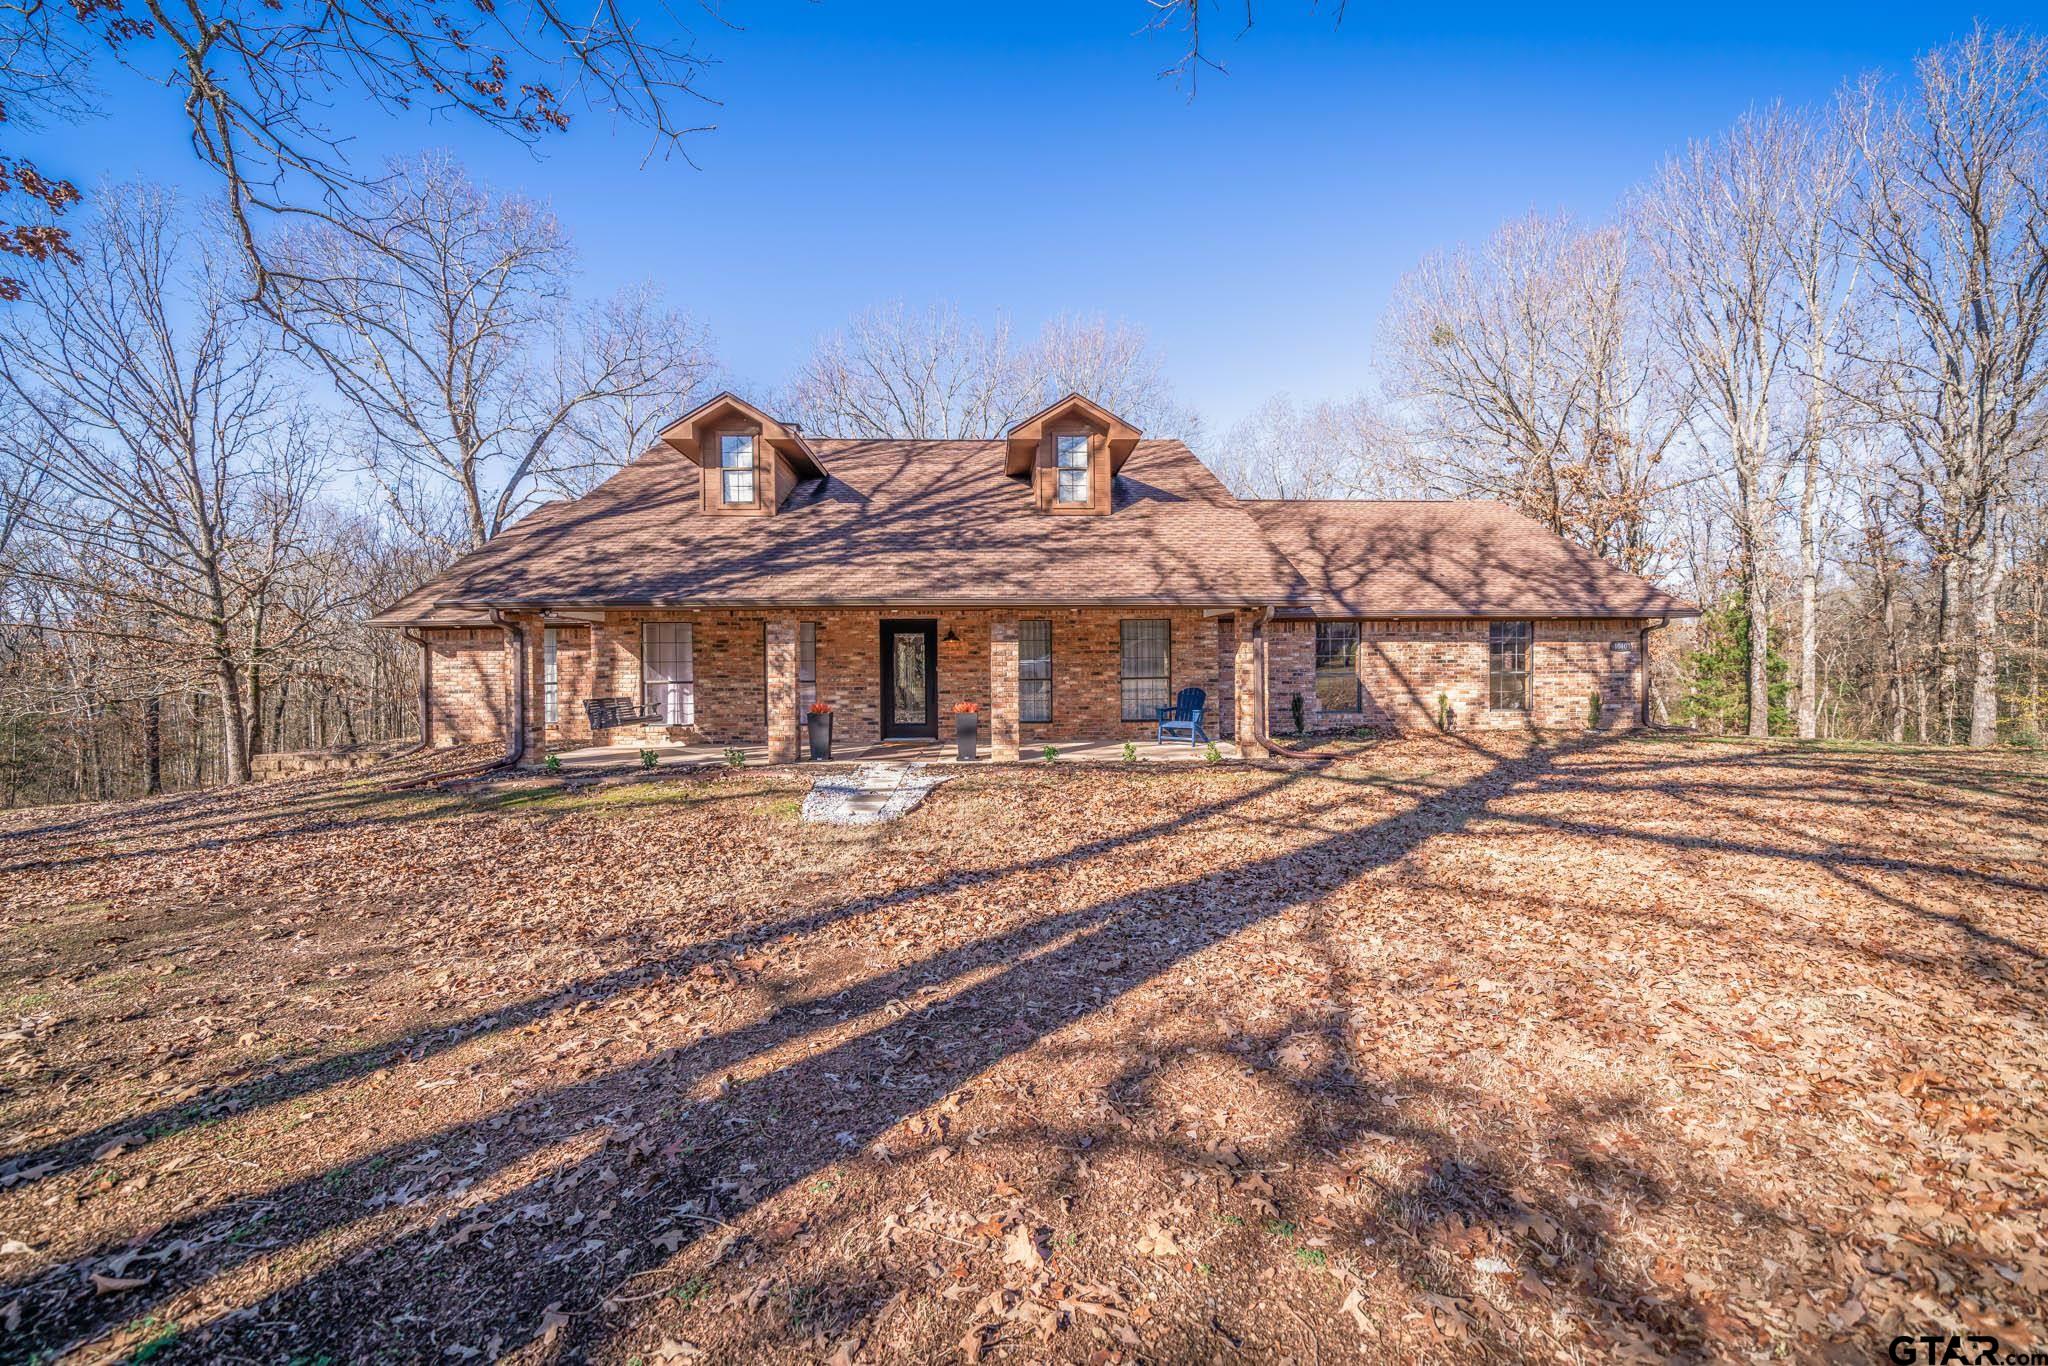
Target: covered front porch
{"points": [[607, 758], [692, 684]]}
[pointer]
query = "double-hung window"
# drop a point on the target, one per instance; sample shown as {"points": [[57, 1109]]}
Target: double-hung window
{"points": [[1147, 646], [550, 676], [806, 666], [1507, 665], [1034, 670], [668, 673], [736, 468], [1337, 665], [1072, 455]]}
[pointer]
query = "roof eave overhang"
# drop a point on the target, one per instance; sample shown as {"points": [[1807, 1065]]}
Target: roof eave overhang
{"points": [[1010, 603], [1340, 612]]}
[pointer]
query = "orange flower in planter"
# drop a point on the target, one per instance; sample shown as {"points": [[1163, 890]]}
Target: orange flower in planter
{"points": [[820, 709], [966, 708]]}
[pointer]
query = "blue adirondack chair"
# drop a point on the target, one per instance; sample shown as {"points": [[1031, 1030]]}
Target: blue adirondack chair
{"points": [[1184, 717]]}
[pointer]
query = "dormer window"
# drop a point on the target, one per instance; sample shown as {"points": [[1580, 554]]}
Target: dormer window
{"points": [[746, 462], [1073, 469], [736, 468], [1070, 454]]}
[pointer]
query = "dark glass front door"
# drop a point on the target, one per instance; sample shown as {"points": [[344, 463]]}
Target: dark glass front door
{"points": [[910, 680]]}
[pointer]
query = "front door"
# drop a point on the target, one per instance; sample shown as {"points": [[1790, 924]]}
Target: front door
{"points": [[910, 680]]}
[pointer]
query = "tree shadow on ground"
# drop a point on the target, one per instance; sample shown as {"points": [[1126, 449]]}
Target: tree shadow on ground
{"points": [[659, 1152]]}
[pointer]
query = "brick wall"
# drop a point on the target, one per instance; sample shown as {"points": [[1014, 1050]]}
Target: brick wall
{"points": [[1404, 667], [1575, 658], [1001, 717], [469, 686], [780, 666], [573, 666], [731, 667], [1087, 672]]}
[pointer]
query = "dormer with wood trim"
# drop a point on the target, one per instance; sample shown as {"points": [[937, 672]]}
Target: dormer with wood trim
{"points": [[748, 462], [1070, 453]]}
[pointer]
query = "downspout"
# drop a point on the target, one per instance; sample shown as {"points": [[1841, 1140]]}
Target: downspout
{"points": [[412, 633], [1261, 724], [515, 744], [1643, 702]]}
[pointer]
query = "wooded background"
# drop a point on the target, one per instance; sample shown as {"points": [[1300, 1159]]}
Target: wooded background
{"points": [[1798, 375]]}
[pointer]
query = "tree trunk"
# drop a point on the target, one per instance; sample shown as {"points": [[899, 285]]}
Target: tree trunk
{"points": [[255, 686], [152, 746], [276, 730], [1809, 583], [1895, 664], [1986, 577], [1946, 628], [1759, 649], [234, 727]]}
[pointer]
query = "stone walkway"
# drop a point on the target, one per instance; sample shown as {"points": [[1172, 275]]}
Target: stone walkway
{"points": [[871, 794]]}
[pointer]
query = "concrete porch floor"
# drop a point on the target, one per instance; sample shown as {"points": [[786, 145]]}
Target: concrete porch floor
{"points": [[592, 758]]}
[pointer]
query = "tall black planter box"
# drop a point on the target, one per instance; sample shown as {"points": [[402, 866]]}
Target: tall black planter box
{"points": [[821, 735], [965, 724]]}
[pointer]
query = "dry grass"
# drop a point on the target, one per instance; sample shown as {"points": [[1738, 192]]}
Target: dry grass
{"points": [[1616, 1047]]}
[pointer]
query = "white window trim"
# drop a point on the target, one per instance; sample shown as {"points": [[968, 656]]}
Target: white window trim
{"points": [[1022, 679], [806, 688], [1527, 673], [1164, 677], [727, 471], [550, 675], [1061, 469], [677, 702]]}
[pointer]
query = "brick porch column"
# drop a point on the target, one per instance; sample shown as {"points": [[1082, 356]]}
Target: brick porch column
{"points": [[597, 675], [782, 719], [536, 688], [1248, 685], [1002, 688]]}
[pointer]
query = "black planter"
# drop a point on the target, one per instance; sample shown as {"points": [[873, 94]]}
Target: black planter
{"points": [[821, 735], [965, 724]]}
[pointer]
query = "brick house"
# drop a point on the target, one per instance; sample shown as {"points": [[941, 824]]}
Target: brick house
{"points": [[1067, 578]]}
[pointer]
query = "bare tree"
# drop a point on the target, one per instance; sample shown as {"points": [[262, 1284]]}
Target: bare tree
{"points": [[620, 421], [935, 375], [1328, 450], [1529, 373], [256, 82], [1113, 364], [1716, 221], [1822, 262], [44, 58], [1197, 20], [179, 470], [1953, 214], [445, 321], [931, 375]]}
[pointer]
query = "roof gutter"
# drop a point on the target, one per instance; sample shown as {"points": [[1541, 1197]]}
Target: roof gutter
{"points": [[1013, 603], [515, 640]]}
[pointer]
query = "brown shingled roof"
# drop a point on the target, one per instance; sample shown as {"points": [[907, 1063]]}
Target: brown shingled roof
{"points": [[897, 523], [1435, 559]]}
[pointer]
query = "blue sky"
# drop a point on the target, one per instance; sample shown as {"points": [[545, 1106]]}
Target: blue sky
{"points": [[1028, 160]]}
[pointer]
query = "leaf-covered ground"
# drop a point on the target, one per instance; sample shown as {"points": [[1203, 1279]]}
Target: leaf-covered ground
{"points": [[1585, 1050]]}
